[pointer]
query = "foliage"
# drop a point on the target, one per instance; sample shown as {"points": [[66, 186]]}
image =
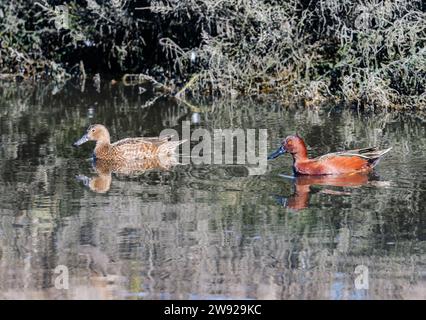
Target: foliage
{"points": [[363, 52]]}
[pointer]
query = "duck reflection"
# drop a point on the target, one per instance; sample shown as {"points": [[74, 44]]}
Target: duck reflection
{"points": [[105, 168], [302, 187]]}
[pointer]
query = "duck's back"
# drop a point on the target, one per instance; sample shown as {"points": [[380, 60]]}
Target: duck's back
{"points": [[142, 148]]}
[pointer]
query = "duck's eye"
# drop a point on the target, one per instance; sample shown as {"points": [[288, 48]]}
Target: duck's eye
{"points": [[93, 130]]}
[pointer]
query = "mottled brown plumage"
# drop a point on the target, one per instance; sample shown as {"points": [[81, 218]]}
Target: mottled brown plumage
{"points": [[105, 168], [129, 148]]}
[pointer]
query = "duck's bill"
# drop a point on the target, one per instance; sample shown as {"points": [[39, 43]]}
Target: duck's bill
{"points": [[277, 153], [84, 179], [80, 141]]}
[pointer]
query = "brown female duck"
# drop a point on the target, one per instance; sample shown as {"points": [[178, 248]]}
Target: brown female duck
{"points": [[129, 148]]}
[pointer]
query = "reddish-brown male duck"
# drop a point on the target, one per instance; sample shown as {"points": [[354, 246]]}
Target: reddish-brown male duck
{"points": [[344, 162]]}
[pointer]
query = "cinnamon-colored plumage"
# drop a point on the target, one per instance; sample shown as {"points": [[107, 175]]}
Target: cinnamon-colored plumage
{"points": [[302, 187], [344, 162]]}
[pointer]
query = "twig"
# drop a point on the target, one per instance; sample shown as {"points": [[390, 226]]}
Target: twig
{"points": [[187, 85]]}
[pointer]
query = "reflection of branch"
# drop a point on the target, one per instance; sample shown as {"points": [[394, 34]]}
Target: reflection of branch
{"points": [[187, 85], [134, 79], [140, 78], [150, 102], [191, 107]]}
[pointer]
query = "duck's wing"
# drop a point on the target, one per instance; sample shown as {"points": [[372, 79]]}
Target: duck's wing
{"points": [[141, 148], [155, 141], [370, 154]]}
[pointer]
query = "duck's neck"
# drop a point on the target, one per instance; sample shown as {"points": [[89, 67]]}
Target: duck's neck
{"points": [[101, 183], [300, 198], [300, 156], [102, 149]]}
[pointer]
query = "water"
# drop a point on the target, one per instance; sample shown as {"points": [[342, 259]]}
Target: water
{"points": [[204, 231]]}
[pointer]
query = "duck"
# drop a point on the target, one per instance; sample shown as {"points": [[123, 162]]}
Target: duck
{"points": [[127, 149], [122, 168], [342, 162], [302, 187]]}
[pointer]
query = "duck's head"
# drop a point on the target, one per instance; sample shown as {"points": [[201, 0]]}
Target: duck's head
{"points": [[96, 132], [98, 184], [293, 145]]}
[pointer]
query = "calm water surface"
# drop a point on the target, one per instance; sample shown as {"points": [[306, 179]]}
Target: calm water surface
{"points": [[204, 231]]}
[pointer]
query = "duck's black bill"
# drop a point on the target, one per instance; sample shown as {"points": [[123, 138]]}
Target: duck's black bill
{"points": [[80, 141], [277, 153]]}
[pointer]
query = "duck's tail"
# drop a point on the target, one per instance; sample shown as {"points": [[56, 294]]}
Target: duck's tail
{"points": [[169, 147], [374, 156]]}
